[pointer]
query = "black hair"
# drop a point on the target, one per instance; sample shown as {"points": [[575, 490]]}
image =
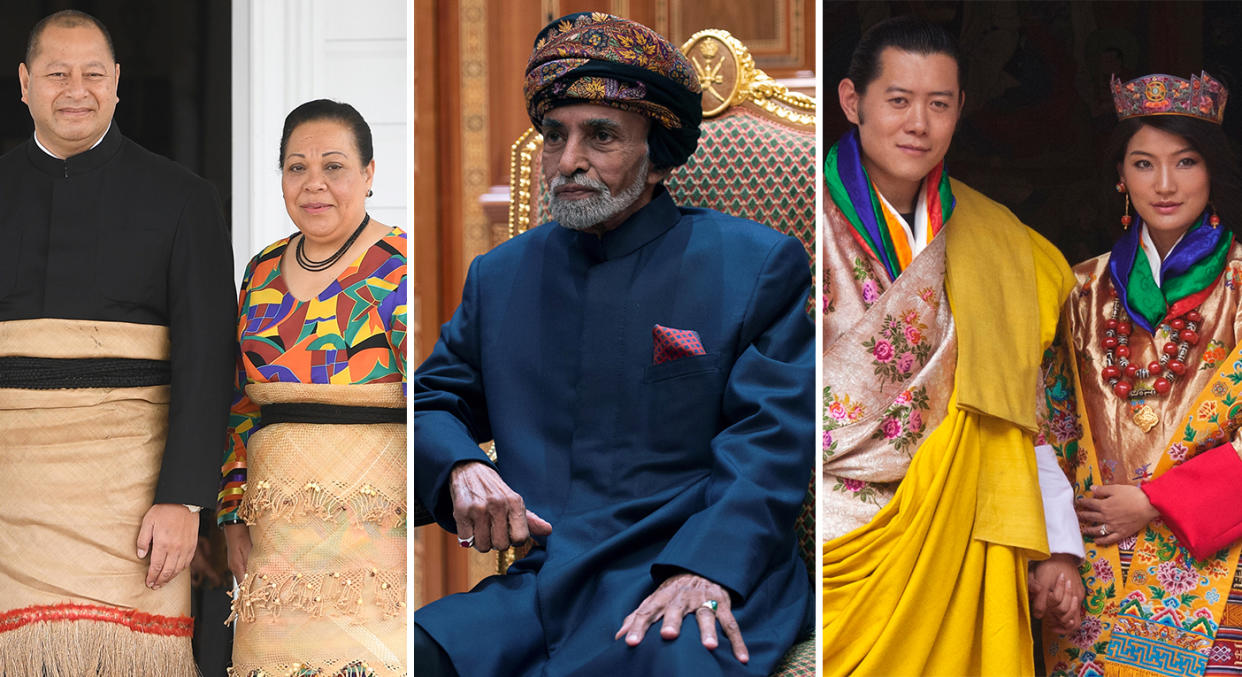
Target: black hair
{"points": [[327, 109], [66, 18], [907, 33], [1210, 141]]}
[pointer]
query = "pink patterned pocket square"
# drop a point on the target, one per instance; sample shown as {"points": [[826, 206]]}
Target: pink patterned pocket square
{"points": [[674, 344]]}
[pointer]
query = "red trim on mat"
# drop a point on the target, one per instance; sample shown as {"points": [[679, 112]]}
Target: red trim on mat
{"points": [[168, 626]]}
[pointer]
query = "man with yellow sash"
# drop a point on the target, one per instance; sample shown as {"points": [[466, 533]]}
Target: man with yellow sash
{"points": [[939, 305]]}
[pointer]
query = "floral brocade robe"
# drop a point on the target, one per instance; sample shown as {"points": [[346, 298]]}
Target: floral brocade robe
{"points": [[889, 357], [1126, 455]]}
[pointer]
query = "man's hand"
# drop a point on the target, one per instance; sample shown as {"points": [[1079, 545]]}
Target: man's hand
{"points": [[237, 540], [1114, 512], [677, 597], [1056, 593], [488, 511], [169, 532]]}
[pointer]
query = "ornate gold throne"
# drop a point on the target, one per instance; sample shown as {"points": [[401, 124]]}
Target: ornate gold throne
{"points": [[755, 159]]}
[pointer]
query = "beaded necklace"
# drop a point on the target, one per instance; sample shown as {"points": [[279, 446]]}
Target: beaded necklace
{"points": [[1121, 374]]}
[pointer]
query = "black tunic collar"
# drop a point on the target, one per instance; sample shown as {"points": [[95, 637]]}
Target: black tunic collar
{"points": [[643, 226], [81, 163]]}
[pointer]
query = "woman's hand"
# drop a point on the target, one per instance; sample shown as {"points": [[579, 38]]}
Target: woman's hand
{"points": [[237, 538], [677, 597], [1056, 593], [1114, 512], [488, 513]]}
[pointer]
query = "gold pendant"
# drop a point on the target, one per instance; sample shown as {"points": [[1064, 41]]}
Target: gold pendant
{"points": [[1145, 417]]}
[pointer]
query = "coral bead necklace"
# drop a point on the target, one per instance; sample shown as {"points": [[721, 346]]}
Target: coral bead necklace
{"points": [[1121, 374]]}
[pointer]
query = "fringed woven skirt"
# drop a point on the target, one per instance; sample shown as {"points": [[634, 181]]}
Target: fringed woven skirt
{"points": [[81, 445], [324, 591]]}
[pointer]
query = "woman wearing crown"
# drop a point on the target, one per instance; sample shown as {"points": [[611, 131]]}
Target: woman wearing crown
{"points": [[1152, 440]]}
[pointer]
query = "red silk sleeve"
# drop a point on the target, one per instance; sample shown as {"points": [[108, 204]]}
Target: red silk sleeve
{"points": [[1201, 500]]}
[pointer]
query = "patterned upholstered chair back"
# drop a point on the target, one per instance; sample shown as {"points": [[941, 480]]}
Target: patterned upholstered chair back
{"points": [[756, 159]]}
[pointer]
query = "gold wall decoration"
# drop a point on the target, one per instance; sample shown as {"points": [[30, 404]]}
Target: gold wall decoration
{"points": [[552, 9], [473, 91], [774, 31]]}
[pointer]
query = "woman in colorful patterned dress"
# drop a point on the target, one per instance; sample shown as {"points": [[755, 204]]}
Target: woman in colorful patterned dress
{"points": [[1151, 440], [313, 490]]}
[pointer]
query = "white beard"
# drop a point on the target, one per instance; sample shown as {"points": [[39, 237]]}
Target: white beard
{"points": [[588, 212]]}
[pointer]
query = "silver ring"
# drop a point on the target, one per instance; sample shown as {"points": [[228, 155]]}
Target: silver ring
{"points": [[710, 604], [1103, 529], [466, 542]]}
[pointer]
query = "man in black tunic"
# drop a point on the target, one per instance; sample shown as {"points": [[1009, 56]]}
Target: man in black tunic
{"points": [[116, 353]]}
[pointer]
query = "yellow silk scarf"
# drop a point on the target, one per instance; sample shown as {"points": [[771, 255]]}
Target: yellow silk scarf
{"points": [[936, 583]]}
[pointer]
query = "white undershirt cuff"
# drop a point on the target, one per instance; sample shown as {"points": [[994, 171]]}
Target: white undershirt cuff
{"points": [[1060, 520]]}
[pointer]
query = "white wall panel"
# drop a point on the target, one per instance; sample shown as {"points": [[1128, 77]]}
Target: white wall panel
{"points": [[356, 20], [391, 178], [370, 75]]}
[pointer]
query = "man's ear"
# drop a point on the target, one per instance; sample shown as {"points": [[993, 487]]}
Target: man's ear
{"points": [[655, 176], [23, 77], [848, 97]]}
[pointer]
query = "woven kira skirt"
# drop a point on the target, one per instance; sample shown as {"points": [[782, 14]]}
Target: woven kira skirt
{"points": [[83, 421], [324, 591]]}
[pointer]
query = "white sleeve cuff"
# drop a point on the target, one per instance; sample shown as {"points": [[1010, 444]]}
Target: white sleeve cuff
{"points": [[1059, 518]]}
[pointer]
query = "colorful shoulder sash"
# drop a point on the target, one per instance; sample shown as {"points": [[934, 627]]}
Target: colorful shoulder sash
{"points": [[1185, 278], [875, 226]]}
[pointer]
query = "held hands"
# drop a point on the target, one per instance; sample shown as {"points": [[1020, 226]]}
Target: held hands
{"points": [[237, 538], [677, 597], [488, 513], [169, 532], [201, 570], [1115, 512], [1056, 593]]}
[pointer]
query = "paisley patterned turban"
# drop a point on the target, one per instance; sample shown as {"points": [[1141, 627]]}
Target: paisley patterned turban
{"points": [[591, 57]]}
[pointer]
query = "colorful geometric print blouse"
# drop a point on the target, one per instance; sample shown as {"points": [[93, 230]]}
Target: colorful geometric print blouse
{"points": [[353, 332]]}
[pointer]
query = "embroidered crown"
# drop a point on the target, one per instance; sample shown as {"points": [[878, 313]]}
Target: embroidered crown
{"points": [[1202, 97]]}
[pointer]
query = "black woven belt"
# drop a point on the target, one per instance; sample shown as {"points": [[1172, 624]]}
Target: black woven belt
{"points": [[48, 373], [306, 412]]}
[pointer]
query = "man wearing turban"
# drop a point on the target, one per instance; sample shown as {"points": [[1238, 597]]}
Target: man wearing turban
{"points": [[647, 374]]}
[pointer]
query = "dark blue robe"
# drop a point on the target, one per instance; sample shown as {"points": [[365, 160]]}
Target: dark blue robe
{"points": [[697, 464]]}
